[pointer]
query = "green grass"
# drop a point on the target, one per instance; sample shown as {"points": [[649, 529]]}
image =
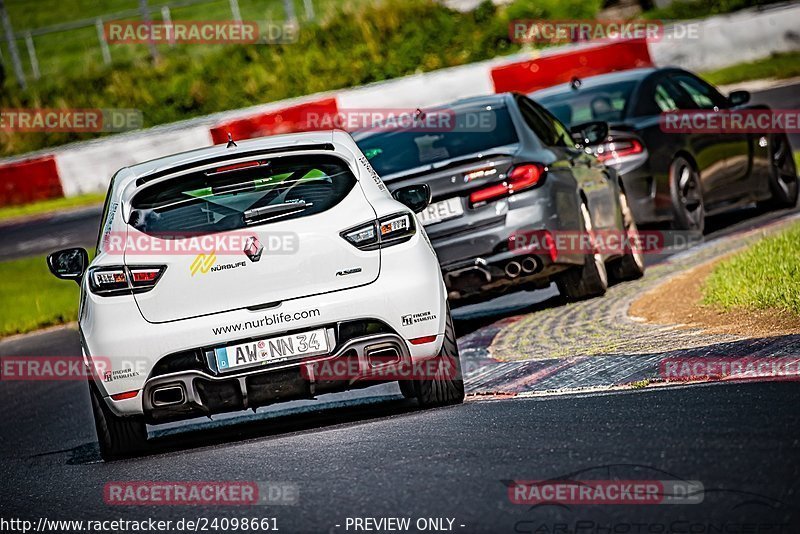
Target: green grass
{"points": [[48, 206], [783, 65], [695, 9], [33, 298], [765, 276]]}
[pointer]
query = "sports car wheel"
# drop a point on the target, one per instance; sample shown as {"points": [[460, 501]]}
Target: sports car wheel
{"points": [[589, 280], [118, 437], [687, 196], [631, 265], [783, 174], [447, 385]]}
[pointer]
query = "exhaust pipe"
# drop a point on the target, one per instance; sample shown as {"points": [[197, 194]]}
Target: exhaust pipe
{"points": [[168, 396], [513, 269], [530, 264]]}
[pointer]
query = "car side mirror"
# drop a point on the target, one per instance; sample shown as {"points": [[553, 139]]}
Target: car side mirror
{"points": [[68, 264], [416, 197], [739, 98], [589, 133]]}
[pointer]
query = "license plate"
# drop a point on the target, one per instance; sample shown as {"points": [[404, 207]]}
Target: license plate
{"points": [[441, 211], [271, 350]]}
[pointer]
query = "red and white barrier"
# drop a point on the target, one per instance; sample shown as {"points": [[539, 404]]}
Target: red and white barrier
{"points": [[87, 167]]}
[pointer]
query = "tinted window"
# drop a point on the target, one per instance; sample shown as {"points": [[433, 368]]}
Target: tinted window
{"points": [[227, 198], [549, 131], [607, 102], [402, 149], [703, 95]]}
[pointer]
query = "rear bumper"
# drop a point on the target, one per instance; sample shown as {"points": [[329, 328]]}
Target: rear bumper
{"points": [[485, 260], [648, 199], [408, 297]]}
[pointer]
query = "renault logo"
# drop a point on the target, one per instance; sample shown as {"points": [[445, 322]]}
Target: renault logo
{"points": [[253, 248]]}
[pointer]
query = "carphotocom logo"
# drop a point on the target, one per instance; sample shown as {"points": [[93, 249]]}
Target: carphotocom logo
{"points": [[203, 263]]}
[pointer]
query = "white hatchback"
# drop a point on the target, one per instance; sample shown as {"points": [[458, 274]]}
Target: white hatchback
{"points": [[237, 276]]}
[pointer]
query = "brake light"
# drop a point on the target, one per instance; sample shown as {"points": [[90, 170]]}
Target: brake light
{"points": [[618, 149], [235, 167], [384, 232], [520, 178], [121, 280]]}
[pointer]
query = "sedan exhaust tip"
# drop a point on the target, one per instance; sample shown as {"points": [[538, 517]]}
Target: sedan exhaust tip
{"points": [[513, 269]]}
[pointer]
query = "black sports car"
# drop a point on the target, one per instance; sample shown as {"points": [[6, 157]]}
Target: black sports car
{"points": [[492, 185], [676, 177]]}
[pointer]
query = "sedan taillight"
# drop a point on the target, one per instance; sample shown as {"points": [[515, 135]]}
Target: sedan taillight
{"points": [[619, 148], [520, 178], [122, 280]]}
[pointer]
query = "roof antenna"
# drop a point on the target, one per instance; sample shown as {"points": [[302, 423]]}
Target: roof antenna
{"points": [[575, 83], [230, 141], [419, 115]]}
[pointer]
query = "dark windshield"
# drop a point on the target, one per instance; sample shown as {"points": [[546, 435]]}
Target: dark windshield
{"points": [[602, 103], [476, 130], [234, 196]]}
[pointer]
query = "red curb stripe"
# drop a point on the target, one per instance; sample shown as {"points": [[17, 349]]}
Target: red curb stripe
{"points": [[29, 180], [286, 120], [527, 76]]}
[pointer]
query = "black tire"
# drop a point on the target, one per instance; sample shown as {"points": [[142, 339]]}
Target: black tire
{"points": [[631, 265], [589, 280], [118, 437], [447, 386], [783, 174], [687, 196]]}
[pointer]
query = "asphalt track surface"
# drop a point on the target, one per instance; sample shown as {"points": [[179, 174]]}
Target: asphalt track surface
{"points": [[371, 454]]}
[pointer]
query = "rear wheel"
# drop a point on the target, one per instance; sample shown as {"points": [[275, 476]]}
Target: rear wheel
{"points": [[447, 385], [589, 280], [783, 174], [118, 437], [631, 265], [687, 196]]}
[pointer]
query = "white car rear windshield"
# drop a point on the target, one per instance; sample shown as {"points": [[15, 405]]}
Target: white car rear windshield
{"points": [[235, 196]]}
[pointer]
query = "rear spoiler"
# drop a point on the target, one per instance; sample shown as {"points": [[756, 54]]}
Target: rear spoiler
{"points": [[235, 155]]}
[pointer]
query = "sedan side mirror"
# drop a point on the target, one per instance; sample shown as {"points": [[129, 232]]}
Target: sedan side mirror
{"points": [[590, 133], [68, 264], [739, 98], [417, 197]]}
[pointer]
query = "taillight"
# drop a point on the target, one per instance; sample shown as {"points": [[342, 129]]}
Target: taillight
{"points": [[384, 232], [122, 280], [617, 149], [520, 178]]}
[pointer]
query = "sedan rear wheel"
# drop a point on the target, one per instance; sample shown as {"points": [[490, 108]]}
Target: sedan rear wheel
{"points": [[631, 265], [687, 196], [591, 279], [783, 177]]}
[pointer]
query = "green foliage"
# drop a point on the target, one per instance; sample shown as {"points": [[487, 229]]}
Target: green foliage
{"points": [[779, 66], [353, 44], [695, 9]]}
